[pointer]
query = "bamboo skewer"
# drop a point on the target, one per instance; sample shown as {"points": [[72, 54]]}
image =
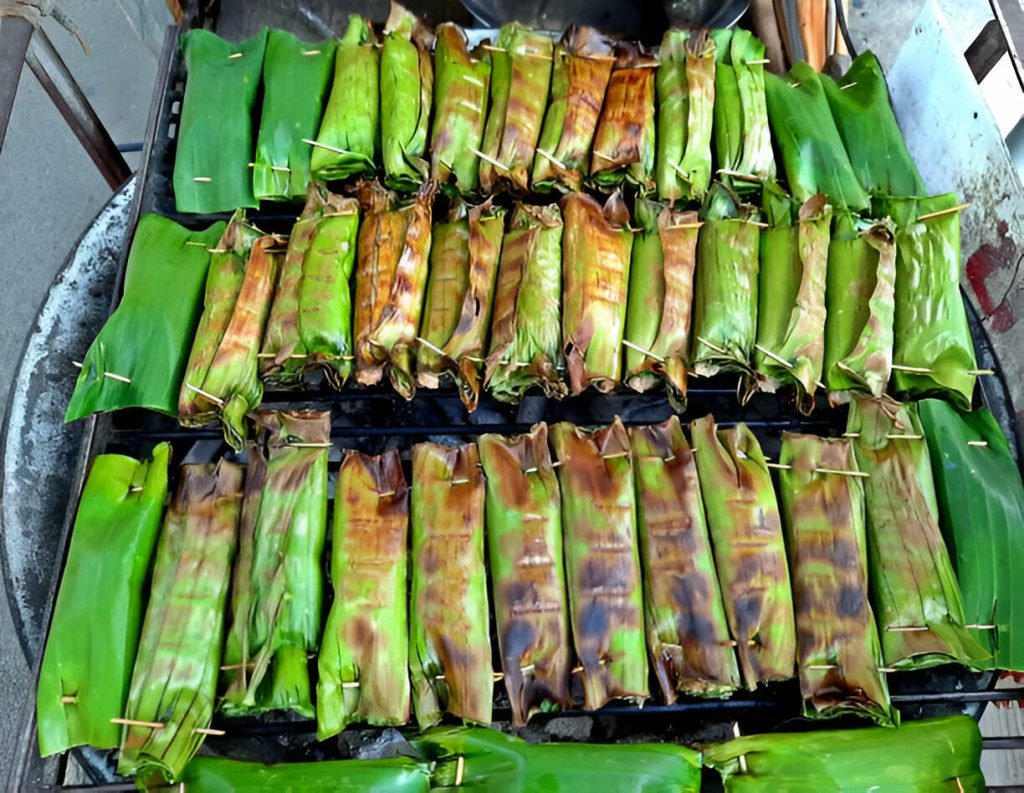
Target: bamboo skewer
{"points": [[335, 149], [642, 351], [490, 160], [310, 445], [203, 179], [153, 725], [838, 472], [552, 159], [207, 394], [940, 212]]}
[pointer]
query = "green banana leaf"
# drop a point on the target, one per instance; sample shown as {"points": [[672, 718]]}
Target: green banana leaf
{"points": [[520, 80], [838, 651], [406, 89], [449, 629], [277, 589], [813, 155], [860, 302], [138, 358], [90, 648], [920, 757], [364, 657], [348, 143], [295, 76], [175, 677], [579, 80], [221, 775], [916, 595], [981, 511], [460, 108], [933, 351], [215, 135], [750, 554], [526, 339], [596, 248], [860, 108], [602, 561], [687, 632], [478, 759], [524, 545]]}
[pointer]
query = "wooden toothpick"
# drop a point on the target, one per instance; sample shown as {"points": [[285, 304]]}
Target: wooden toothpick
{"points": [[940, 212], [207, 394], [335, 149], [153, 725], [491, 160], [551, 158], [642, 351], [774, 357]]}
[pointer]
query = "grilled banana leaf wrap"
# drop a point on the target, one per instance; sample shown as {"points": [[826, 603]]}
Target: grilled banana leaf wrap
{"points": [[660, 299], [222, 775], [406, 91], [916, 595], [364, 656], [94, 632], [277, 589], [524, 545], [579, 80], [860, 304], [310, 321], [520, 81], [348, 143], [526, 339], [175, 678], [449, 626], [933, 352], [837, 639], [456, 323], [750, 554], [685, 84], [624, 142], [602, 561], [687, 631], [596, 249], [391, 283], [215, 135]]}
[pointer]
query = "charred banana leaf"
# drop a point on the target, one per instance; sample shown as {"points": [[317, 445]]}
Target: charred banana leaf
{"points": [[278, 585], [839, 654], [579, 79], [449, 628], [221, 775], [596, 247], [526, 339], [364, 658], [175, 679], [602, 561], [524, 543], [687, 632], [750, 554]]}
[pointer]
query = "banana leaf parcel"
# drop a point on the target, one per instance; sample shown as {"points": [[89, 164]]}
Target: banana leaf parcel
{"points": [[520, 79], [221, 775], [750, 554], [920, 757], [916, 595], [295, 77], [175, 677], [981, 507], [460, 299], [449, 627], [526, 339], [579, 79], [460, 108], [839, 654], [222, 380], [90, 649], [310, 321], [406, 89], [624, 142], [790, 346], [348, 143], [596, 247], [215, 136], [687, 632], [391, 282], [137, 359], [685, 83], [860, 298], [277, 589], [933, 351], [602, 561], [490, 760], [660, 299], [524, 544], [364, 656]]}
